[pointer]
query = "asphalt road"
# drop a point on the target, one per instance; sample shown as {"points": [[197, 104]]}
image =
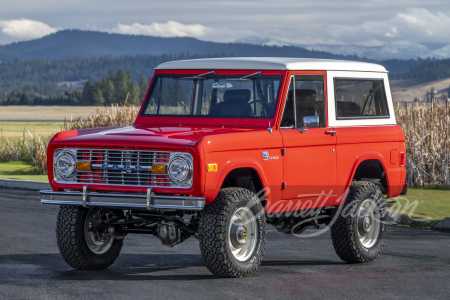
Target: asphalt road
{"points": [[415, 264]]}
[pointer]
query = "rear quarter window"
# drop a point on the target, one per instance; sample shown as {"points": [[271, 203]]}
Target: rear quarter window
{"points": [[360, 99]]}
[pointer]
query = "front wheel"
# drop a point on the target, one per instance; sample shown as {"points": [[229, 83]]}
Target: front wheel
{"points": [[232, 233], [82, 247], [360, 230]]}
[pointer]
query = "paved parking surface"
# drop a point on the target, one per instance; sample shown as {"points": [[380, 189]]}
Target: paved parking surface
{"points": [[415, 264]]}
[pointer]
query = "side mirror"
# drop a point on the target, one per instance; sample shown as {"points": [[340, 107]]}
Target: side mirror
{"points": [[311, 121]]}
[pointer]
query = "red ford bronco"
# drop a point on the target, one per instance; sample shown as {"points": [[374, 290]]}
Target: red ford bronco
{"points": [[222, 147]]}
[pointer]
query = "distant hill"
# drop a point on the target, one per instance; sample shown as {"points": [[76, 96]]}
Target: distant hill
{"points": [[410, 89], [73, 55], [66, 74], [70, 43]]}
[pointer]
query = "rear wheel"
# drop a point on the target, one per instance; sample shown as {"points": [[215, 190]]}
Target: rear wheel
{"points": [[360, 230], [232, 233], [80, 246]]}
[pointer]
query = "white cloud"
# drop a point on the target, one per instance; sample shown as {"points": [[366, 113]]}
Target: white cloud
{"points": [[25, 29], [412, 25], [168, 29]]}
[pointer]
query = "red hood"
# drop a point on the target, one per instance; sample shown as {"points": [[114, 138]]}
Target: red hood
{"points": [[138, 136]]}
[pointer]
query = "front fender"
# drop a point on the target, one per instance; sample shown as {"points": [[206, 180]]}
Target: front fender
{"points": [[270, 173], [214, 180]]}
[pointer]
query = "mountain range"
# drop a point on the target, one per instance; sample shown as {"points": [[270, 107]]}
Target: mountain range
{"points": [[76, 43], [379, 53], [67, 44]]}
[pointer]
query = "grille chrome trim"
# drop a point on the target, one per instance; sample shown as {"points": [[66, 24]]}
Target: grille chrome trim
{"points": [[124, 167]]}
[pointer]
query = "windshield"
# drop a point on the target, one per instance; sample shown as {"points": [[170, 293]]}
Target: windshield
{"points": [[215, 97]]}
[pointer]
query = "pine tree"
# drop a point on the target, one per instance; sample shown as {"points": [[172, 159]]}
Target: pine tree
{"points": [[98, 97], [108, 90], [88, 94], [121, 86]]}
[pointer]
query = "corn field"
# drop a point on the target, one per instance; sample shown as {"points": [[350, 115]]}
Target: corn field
{"points": [[115, 115], [426, 128], [30, 149], [427, 132]]}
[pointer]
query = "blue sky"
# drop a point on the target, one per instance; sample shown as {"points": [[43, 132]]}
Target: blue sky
{"points": [[302, 22]]}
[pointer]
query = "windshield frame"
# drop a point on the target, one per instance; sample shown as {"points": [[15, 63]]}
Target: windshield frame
{"points": [[202, 119]]}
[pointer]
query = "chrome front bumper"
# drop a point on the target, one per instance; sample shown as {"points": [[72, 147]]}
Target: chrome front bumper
{"points": [[123, 201]]}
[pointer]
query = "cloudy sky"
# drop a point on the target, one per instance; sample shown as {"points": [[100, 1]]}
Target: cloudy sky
{"points": [[294, 21]]}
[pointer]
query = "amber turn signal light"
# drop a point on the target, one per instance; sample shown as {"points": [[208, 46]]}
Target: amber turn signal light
{"points": [[212, 167], [159, 169], [83, 166]]}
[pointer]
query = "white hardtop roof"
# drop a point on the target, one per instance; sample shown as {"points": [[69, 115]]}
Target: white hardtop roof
{"points": [[270, 63]]}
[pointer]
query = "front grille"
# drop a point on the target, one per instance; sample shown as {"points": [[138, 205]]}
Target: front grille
{"points": [[122, 167]]}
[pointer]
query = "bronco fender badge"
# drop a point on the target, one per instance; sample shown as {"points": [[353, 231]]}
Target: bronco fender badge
{"points": [[266, 156]]}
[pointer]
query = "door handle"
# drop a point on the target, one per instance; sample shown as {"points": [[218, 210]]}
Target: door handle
{"points": [[332, 132]]}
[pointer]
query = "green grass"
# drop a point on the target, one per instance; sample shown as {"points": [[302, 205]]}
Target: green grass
{"points": [[19, 170], [424, 203], [14, 130]]}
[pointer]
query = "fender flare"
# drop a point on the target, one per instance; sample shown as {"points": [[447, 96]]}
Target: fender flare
{"points": [[233, 164], [360, 158]]}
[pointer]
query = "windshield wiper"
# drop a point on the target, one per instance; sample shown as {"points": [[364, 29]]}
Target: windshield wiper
{"points": [[199, 77], [246, 78]]}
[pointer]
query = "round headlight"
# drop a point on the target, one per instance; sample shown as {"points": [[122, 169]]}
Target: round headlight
{"points": [[179, 169], [66, 165]]}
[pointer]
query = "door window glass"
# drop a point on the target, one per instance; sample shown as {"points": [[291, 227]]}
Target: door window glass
{"points": [[309, 101]]}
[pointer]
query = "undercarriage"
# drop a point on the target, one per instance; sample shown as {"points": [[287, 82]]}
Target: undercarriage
{"points": [[171, 228]]}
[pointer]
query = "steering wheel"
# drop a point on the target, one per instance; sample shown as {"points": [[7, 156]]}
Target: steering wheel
{"points": [[267, 106]]}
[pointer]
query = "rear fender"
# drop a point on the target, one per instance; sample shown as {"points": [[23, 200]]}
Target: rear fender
{"points": [[363, 157]]}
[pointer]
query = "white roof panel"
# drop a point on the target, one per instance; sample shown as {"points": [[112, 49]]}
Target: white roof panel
{"points": [[270, 63]]}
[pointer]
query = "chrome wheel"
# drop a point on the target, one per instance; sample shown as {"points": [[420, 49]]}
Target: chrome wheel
{"points": [[368, 223], [98, 242], [243, 233]]}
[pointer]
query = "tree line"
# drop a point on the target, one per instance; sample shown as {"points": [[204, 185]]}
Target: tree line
{"points": [[41, 81], [116, 88], [39, 73], [428, 70]]}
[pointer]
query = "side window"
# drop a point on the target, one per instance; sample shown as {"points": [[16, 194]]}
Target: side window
{"points": [[309, 101], [360, 98]]}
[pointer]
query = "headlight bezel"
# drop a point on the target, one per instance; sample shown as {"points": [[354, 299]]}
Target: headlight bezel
{"points": [[59, 154], [186, 159]]}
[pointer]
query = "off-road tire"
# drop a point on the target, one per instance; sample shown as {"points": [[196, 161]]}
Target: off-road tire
{"points": [[72, 244], [213, 233], [344, 232]]}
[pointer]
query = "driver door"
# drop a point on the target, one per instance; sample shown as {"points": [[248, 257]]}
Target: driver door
{"points": [[310, 145]]}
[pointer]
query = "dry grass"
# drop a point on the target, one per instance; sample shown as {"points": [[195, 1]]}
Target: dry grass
{"points": [[29, 149], [427, 132], [115, 115], [44, 113], [14, 130], [33, 149]]}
